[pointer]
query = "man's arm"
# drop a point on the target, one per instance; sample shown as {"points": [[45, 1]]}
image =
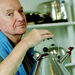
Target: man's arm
{"points": [[10, 65]]}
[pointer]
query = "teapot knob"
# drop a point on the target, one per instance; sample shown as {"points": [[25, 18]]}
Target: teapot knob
{"points": [[45, 49]]}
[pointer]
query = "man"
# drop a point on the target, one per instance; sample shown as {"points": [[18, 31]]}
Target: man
{"points": [[12, 26]]}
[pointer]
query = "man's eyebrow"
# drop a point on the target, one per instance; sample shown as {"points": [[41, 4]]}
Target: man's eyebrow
{"points": [[9, 10], [13, 9]]}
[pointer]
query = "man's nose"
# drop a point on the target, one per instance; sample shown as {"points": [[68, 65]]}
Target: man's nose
{"points": [[19, 16]]}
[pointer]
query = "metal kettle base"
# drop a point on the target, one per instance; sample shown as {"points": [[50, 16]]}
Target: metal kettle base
{"points": [[49, 66]]}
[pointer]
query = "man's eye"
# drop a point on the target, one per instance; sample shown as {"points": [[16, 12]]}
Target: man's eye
{"points": [[21, 11], [10, 14]]}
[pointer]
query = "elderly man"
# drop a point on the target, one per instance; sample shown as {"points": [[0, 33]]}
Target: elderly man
{"points": [[12, 48]]}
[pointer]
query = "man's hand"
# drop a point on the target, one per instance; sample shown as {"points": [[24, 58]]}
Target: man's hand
{"points": [[36, 36]]}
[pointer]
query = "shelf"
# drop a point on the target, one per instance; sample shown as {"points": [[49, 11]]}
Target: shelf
{"points": [[51, 24], [70, 65]]}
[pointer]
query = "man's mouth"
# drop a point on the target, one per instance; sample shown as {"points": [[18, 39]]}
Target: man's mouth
{"points": [[21, 25]]}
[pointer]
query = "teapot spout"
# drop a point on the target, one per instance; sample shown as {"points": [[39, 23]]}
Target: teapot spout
{"points": [[63, 59]]}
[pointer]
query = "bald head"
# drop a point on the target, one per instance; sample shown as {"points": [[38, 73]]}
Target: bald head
{"points": [[8, 1], [5, 4]]}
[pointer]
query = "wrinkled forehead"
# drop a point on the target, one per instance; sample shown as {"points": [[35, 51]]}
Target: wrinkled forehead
{"points": [[9, 4]]}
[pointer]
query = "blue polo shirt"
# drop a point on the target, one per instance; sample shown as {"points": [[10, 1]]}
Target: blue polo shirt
{"points": [[5, 50]]}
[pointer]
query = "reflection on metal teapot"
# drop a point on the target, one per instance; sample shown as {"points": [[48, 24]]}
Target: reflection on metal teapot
{"points": [[49, 63]]}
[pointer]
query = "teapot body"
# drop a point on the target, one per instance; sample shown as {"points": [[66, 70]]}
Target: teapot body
{"points": [[48, 65]]}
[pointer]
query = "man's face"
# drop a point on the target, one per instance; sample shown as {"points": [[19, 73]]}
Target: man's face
{"points": [[12, 18]]}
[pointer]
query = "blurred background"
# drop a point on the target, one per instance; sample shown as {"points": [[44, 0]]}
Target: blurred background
{"points": [[57, 16]]}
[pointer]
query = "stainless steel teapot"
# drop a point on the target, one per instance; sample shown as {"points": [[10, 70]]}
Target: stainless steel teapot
{"points": [[48, 63]]}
